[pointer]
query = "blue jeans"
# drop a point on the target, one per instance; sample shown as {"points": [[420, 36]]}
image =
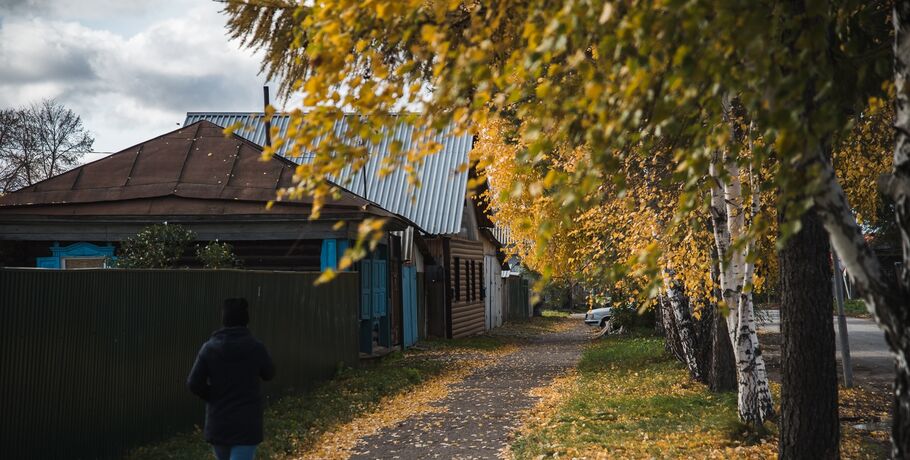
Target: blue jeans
{"points": [[234, 452]]}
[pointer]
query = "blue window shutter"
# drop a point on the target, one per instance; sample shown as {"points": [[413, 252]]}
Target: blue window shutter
{"points": [[342, 246], [366, 293], [329, 255], [47, 262], [379, 288], [383, 286]]}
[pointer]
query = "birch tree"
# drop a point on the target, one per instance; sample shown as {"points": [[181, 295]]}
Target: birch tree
{"points": [[728, 211]]}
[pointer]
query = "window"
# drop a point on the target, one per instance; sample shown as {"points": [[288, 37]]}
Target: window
{"points": [[470, 280], [473, 281], [76, 263], [457, 286]]}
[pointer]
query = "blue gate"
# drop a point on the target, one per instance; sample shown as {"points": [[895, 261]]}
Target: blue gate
{"points": [[374, 306], [409, 304]]}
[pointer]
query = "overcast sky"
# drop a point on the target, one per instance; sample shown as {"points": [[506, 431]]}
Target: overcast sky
{"points": [[130, 68]]}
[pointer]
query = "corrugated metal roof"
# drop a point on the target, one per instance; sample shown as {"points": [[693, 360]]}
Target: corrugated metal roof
{"points": [[503, 235], [436, 207]]}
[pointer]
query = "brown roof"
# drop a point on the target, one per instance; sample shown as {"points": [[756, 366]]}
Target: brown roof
{"points": [[196, 162]]}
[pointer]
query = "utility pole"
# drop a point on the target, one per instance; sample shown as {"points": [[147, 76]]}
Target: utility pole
{"points": [[842, 322]]}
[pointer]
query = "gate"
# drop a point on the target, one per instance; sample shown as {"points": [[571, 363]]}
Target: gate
{"points": [[409, 304], [492, 291]]}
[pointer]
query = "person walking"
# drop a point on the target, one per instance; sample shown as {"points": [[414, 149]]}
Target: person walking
{"points": [[226, 376]]}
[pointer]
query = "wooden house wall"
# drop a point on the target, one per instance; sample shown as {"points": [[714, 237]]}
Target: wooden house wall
{"points": [[293, 255], [465, 265]]}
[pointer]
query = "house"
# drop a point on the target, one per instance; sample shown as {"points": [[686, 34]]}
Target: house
{"points": [[451, 259], [214, 185]]}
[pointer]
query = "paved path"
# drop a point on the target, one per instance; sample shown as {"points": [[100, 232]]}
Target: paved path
{"points": [[483, 409], [869, 353]]}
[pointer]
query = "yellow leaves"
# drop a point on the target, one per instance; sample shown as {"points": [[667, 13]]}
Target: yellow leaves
{"points": [[593, 90], [339, 442], [327, 275], [543, 89], [430, 34], [863, 156], [382, 10], [229, 130], [346, 261]]}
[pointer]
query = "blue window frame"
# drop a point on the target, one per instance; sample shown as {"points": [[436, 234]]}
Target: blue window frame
{"points": [[79, 250]]}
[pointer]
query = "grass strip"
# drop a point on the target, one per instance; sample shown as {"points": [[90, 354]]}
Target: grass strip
{"points": [[631, 400]]}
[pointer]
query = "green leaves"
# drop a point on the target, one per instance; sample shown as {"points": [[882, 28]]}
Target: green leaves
{"points": [[217, 255], [155, 246]]}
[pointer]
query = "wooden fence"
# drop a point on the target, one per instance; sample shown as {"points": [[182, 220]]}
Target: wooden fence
{"points": [[93, 362]]}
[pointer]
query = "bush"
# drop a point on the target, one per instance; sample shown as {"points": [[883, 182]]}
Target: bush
{"points": [[155, 246], [627, 317], [217, 255]]}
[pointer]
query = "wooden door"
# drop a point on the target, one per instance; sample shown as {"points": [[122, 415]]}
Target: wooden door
{"points": [[409, 304]]}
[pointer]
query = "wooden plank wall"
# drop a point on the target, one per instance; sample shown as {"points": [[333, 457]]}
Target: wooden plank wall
{"points": [[467, 317]]}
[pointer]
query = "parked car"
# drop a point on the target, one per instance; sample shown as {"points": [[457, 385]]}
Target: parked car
{"points": [[599, 316]]}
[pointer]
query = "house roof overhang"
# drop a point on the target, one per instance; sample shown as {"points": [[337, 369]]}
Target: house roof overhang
{"points": [[192, 171]]}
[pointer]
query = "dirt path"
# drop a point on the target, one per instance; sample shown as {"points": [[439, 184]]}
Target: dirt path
{"points": [[482, 410]]}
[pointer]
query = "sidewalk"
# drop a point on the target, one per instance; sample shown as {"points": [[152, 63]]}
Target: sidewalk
{"points": [[477, 417]]}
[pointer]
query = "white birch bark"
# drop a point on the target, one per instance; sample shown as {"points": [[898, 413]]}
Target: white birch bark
{"points": [[679, 308], [754, 401]]}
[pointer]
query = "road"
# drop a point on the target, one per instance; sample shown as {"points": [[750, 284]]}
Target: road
{"points": [[872, 361]]}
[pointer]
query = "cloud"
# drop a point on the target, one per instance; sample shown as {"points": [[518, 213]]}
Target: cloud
{"points": [[127, 87]]}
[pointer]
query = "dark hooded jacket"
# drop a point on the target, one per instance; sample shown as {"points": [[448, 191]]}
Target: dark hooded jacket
{"points": [[226, 375]]}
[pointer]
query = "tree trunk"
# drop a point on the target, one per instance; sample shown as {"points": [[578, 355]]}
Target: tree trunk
{"points": [[703, 327], [685, 331], [671, 336], [754, 401], [723, 363], [721, 367], [899, 189], [809, 425]]}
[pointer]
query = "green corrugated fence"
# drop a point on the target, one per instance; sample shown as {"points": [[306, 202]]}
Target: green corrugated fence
{"points": [[93, 362], [516, 295]]}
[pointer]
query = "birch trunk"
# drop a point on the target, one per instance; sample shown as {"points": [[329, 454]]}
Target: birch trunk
{"points": [[671, 335], [754, 400], [685, 333]]}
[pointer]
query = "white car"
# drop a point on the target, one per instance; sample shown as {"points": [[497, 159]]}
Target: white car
{"points": [[598, 316]]}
